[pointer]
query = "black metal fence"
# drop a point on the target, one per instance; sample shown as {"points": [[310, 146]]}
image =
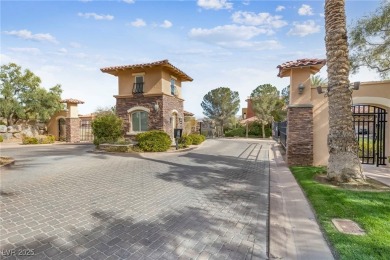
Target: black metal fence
{"points": [[86, 131], [279, 132]]}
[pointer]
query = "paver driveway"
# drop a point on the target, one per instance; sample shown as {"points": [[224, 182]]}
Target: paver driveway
{"points": [[61, 202]]}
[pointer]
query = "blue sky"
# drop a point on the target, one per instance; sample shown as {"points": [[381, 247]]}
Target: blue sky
{"points": [[219, 43]]}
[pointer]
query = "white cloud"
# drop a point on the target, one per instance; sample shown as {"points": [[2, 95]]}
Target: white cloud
{"points": [[305, 28], [280, 8], [63, 51], [75, 45], [227, 33], [27, 35], [250, 18], [166, 24], [138, 23], [96, 16], [322, 14], [305, 10], [246, 2], [33, 51], [215, 4], [252, 45], [129, 1]]}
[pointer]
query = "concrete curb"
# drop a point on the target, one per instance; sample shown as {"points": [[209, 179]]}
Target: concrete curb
{"points": [[294, 232]]}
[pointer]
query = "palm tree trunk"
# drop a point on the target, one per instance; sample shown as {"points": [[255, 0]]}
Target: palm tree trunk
{"points": [[344, 164]]}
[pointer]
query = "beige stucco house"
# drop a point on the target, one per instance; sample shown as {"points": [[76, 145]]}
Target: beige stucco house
{"points": [[149, 96]]}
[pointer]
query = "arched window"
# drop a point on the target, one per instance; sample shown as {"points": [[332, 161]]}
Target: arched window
{"points": [[139, 121]]}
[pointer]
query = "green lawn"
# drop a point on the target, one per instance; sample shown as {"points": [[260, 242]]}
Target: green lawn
{"points": [[371, 210]]}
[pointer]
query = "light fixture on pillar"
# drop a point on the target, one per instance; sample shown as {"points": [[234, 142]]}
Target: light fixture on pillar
{"points": [[301, 87], [354, 86], [319, 90], [156, 107]]}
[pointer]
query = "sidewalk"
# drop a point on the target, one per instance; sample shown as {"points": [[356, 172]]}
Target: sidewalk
{"points": [[381, 173], [294, 232]]}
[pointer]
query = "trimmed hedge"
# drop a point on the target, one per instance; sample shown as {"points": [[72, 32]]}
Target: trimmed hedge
{"points": [[197, 138], [1, 138], [153, 141], [49, 139], [106, 128], [185, 141]]}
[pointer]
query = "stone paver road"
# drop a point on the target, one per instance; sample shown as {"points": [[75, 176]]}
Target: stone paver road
{"points": [[61, 202]]}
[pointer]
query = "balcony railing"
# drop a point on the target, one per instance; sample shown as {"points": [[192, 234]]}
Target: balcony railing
{"points": [[138, 88]]}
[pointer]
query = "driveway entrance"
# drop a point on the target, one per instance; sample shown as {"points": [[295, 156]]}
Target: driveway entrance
{"points": [[61, 202]]}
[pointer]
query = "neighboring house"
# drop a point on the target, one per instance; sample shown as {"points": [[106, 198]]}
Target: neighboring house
{"points": [[149, 96], [247, 112]]}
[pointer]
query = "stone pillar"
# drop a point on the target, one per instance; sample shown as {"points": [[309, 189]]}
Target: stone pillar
{"points": [[72, 130], [300, 135]]}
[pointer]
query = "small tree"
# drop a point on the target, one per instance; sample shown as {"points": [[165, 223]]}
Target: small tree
{"points": [[266, 104], [221, 104], [106, 128], [22, 98]]}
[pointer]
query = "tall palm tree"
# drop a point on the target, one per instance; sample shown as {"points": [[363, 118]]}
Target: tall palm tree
{"points": [[344, 164]]}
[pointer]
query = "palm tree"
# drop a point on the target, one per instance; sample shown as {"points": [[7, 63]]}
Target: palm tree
{"points": [[344, 164]]}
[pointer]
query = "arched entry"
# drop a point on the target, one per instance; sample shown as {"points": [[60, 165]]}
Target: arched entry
{"points": [[61, 129], [370, 129], [174, 121]]}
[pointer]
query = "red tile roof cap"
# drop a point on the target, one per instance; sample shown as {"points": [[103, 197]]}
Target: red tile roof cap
{"points": [[317, 63], [186, 113], [72, 101], [165, 63]]}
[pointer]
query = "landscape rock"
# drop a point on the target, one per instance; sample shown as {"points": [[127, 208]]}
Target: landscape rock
{"points": [[3, 129]]}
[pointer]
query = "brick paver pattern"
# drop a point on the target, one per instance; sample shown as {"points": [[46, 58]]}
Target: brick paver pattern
{"points": [[209, 203]]}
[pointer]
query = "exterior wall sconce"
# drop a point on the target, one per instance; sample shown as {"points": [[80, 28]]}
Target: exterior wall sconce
{"points": [[156, 107], [170, 120], [355, 86], [301, 87], [319, 90]]}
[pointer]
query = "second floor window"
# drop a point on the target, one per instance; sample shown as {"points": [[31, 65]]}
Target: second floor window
{"points": [[173, 88], [138, 84]]}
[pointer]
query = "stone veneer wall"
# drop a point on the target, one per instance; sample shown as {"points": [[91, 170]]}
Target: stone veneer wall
{"points": [[124, 104], [172, 103], [300, 135], [72, 130]]}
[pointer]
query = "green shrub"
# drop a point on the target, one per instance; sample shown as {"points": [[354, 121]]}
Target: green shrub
{"points": [[118, 149], [106, 128], [153, 141], [29, 140], [197, 138], [1, 138], [49, 139], [236, 132], [185, 141]]}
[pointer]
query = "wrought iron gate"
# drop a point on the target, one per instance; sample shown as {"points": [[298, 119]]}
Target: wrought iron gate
{"points": [[86, 131], [370, 128]]}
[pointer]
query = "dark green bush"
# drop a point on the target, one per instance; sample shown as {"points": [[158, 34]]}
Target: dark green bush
{"points": [[106, 128], [197, 138], [153, 141], [236, 132], [185, 141]]}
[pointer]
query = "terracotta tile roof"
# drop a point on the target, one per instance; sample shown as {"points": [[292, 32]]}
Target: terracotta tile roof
{"points": [[186, 113], [72, 101], [316, 64], [164, 63]]}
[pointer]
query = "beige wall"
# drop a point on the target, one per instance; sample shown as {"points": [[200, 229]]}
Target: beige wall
{"points": [[298, 76], [156, 81], [152, 81], [370, 93], [73, 110], [52, 125], [166, 84]]}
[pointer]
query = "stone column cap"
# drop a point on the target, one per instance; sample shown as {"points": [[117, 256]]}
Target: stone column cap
{"points": [[300, 105]]}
